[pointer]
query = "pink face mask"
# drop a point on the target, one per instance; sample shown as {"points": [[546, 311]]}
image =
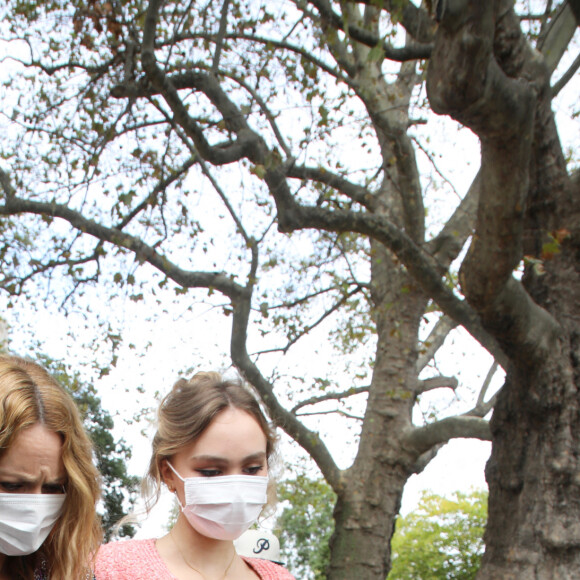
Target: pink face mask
{"points": [[225, 506]]}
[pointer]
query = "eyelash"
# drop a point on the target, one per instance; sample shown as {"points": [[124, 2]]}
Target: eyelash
{"points": [[53, 489], [209, 472], [8, 486], [253, 470]]}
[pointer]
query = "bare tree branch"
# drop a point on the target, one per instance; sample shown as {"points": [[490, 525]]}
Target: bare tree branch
{"points": [[142, 251], [207, 84], [558, 36], [330, 396], [308, 328], [152, 197], [483, 391], [306, 438], [332, 412], [187, 80], [6, 184], [435, 340], [566, 77], [220, 36], [423, 267]]}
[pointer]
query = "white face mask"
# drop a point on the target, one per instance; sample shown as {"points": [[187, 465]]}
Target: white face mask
{"points": [[26, 520], [225, 506]]}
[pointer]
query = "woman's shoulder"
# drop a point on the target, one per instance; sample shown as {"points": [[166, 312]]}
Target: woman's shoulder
{"points": [[268, 570], [131, 559]]}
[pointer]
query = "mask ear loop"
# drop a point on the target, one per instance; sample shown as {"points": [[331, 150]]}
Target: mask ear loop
{"points": [[174, 470], [171, 489]]}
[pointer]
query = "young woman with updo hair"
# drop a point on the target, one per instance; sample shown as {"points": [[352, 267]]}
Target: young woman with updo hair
{"points": [[212, 449]]}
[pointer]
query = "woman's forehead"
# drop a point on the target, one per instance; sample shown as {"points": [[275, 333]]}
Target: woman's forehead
{"points": [[35, 451], [232, 432]]}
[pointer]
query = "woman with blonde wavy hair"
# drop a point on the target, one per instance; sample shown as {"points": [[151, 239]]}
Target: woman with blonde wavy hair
{"points": [[49, 486], [213, 449]]}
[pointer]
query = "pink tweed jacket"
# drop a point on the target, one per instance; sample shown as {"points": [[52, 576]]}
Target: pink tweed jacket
{"points": [[140, 560]]}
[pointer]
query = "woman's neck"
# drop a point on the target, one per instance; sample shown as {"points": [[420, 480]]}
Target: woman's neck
{"points": [[198, 544], [184, 549]]}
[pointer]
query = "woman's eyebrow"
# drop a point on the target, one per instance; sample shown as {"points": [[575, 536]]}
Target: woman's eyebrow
{"points": [[214, 458], [259, 456]]}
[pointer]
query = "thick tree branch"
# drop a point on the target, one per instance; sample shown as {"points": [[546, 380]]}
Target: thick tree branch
{"points": [[422, 439], [437, 383], [306, 438], [422, 266], [416, 21], [356, 192], [465, 425], [465, 81], [410, 52], [143, 252], [206, 83], [446, 246], [558, 36]]}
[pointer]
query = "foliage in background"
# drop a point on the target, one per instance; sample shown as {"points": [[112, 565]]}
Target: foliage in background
{"points": [[305, 525], [119, 488], [442, 539]]}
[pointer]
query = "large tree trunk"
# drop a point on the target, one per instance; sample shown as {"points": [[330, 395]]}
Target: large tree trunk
{"points": [[370, 500], [484, 74], [534, 470]]}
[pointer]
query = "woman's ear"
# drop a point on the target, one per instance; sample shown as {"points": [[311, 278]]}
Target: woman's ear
{"points": [[167, 475]]}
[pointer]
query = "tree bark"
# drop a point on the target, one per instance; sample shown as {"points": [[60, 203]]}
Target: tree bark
{"points": [[484, 74], [370, 498]]}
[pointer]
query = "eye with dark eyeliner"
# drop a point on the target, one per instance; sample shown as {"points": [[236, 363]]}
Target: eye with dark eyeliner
{"points": [[10, 486], [253, 470], [53, 488], [209, 472]]}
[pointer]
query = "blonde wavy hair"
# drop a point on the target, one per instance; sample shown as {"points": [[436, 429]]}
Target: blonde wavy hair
{"points": [[29, 395], [186, 412]]}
